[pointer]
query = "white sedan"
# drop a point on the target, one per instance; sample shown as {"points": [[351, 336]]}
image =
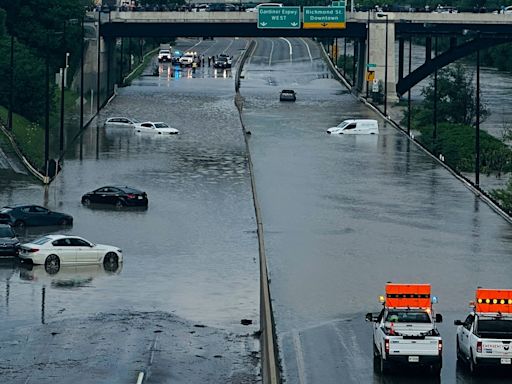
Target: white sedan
{"points": [[54, 250], [121, 122], [159, 128]]}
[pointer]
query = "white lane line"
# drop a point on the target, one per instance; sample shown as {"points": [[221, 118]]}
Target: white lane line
{"points": [[290, 46], [299, 355], [271, 50], [229, 45], [307, 46], [140, 378]]}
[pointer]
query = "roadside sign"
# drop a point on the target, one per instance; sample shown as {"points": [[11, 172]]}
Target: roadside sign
{"points": [[369, 66], [375, 86], [370, 75], [279, 17], [338, 3], [324, 17]]}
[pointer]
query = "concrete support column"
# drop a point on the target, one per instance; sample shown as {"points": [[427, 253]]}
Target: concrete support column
{"points": [[378, 53]]}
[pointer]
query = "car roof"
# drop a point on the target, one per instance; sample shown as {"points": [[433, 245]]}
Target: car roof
{"points": [[288, 91], [12, 206]]}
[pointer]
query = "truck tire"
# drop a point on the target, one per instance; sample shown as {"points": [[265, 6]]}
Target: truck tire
{"points": [[473, 367], [435, 369], [384, 366]]}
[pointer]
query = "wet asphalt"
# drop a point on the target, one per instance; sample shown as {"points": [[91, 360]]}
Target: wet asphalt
{"points": [[342, 216]]}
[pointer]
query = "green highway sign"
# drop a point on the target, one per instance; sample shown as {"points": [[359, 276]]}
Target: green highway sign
{"points": [[370, 65], [338, 3], [279, 17], [324, 17]]}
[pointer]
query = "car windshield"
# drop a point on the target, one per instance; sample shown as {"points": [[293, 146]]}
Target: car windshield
{"points": [[164, 51], [41, 240], [408, 317], [6, 232], [5, 210], [161, 125], [343, 124]]}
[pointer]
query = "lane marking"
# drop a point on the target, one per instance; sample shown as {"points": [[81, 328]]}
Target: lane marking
{"points": [[299, 355], [290, 46], [309, 51], [271, 50], [140, 378]]}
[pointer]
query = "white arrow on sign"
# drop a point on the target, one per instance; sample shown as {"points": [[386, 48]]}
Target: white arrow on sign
{"points": [[294, 24], [263, 24]]}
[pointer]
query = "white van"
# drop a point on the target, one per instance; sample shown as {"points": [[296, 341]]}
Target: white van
{"points": [[356, 126]]}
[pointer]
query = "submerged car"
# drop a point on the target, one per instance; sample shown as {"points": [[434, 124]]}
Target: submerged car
{"points": [[52, 251], [32, 215], [120, 196], [287, 95], [159, 128], [356, 126], [120, 122], [9, 243]]}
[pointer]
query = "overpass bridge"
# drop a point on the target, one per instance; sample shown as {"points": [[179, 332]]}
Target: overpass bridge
{"points": [[374, 35]]}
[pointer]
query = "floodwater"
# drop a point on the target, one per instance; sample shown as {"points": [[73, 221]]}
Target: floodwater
{"points": [[343, 215], [190, 260]]}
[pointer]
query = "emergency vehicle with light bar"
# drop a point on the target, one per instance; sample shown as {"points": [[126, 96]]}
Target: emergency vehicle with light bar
{"points": [[405, 332], [485, 337]]}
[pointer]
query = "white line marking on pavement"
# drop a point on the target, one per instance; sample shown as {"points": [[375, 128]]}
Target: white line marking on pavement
{"points": [[289, 45]]}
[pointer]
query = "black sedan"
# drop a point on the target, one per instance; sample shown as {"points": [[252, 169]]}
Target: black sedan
{"points": [[116, 195], [222, 62], [9, 244], [32, 215]]}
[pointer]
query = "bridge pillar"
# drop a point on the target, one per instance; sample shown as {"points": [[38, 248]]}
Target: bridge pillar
{"points": [[377, 54]]}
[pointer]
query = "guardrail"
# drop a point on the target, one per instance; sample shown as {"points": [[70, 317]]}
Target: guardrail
{"points": [[268, 340]]}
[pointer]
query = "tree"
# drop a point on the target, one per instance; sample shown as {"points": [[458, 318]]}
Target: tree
{"points": [[456, 97]]}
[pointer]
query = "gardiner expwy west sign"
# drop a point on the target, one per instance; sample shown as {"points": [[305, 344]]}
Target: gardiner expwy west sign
{"points": [[279, 17], [324, 17]]}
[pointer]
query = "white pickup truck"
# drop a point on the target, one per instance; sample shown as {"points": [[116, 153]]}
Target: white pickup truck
{"points": [[485, 337], [406, 335]]}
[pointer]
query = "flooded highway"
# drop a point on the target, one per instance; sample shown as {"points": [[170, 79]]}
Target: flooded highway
{"points": [[342, 216], [190, 274]]}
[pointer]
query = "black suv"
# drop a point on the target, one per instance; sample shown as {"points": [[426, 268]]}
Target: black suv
{"points": [[9, 243]]}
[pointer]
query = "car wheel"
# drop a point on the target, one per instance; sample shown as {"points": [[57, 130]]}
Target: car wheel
{"points": [[20, 224], [119, 204], [86, 201], [111, 262], [52, 264]]}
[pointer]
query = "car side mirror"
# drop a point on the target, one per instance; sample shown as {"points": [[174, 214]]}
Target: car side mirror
{"points": [[439, 318], [458, 322]]}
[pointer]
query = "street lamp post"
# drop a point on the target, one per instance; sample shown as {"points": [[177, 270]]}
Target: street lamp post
{"points": [[47, 107], [409, 93], [367, 52], [82, 48], [62, 86], [385, 65], [477, 123], [11, 85]]}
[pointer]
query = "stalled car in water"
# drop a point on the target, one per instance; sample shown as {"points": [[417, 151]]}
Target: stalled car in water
{"points": [[356, 126], [9, 243], [120, 122], [287, 95], [52, 251], [119, 196], [159, 128], [32, 215]]}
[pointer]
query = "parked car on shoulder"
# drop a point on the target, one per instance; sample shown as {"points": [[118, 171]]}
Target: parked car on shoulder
{"points": [[32, 215], [52, 251], [9, 243], [120, 196], [287, 95], [158, 127], [120, 122]]}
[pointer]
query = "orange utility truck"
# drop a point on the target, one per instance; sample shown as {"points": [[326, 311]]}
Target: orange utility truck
{"points": [[404, 331]]}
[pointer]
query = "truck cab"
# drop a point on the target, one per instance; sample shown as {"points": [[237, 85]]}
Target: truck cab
{"points": [[484, 338], [404, 331]]}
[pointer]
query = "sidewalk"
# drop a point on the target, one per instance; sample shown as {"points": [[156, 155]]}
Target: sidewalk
{"points": [[10, 162]]}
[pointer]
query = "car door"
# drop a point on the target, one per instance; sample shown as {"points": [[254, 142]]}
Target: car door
{"points": [[86, 253], [102, 196], [465, 334], [39, 216], [64, 249]]}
